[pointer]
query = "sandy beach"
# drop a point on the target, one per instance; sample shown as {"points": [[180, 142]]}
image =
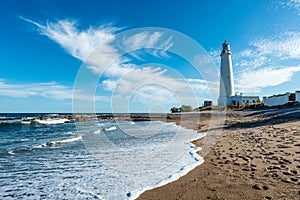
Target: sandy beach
{"points": [[257, 156]]}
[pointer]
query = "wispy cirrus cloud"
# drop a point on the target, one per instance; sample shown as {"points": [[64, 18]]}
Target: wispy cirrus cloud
{"points": [[81, 43], [293, 5], [267, 62], [200, 85], [283, 46], [271, 50], [215, 55], [78, 43], [50, 90], [47, 89], [96, 48], [254, 81], [146, 40], [264, 58], [149, 85]]}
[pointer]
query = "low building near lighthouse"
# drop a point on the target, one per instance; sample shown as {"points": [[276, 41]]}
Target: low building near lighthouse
{"points": [[240, 100], [276, 100], [282, 99]]}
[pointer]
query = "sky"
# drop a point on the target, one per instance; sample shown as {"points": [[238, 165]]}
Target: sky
{"points": [[137, 56]]}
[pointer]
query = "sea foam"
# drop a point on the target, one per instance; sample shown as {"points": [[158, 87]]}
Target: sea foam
{"points": [[173, 177], [51, 121], [120, 163]]}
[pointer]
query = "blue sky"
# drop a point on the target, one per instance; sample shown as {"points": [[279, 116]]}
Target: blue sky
{"points": [[45, 43]]}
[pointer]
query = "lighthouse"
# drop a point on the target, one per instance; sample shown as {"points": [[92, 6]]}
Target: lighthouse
{"points": [[226, 76]]}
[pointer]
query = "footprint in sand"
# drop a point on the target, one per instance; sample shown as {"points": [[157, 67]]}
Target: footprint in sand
{"points": [[294, 179], [287, 174], [283, 146], [260, 187], [294, 172]]}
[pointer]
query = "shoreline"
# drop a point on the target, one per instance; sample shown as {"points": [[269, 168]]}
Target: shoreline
{"points": [[174, 177], [251, 154], [252, 160]]}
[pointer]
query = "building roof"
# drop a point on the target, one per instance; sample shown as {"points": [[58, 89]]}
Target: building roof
{"points": [[242, 96]]}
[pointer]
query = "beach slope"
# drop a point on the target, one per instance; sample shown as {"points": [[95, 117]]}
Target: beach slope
{"points": [[256, 157]]}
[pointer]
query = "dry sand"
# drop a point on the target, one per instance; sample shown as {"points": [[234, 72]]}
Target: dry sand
{"points": [[256, 157]]}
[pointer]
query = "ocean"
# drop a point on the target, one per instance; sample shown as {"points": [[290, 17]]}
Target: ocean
{"points": [[94, 159]]}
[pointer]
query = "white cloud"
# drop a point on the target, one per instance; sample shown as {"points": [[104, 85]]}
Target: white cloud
{"points": [[142, 40], [293, 5], [266, 52], [254, 81], [81, 44], [109, 84], [266, 62], [147, 75], [215, 55], [147, 40], [78, 43], [152, 86], [203, 60], [154, 93], [96, 48], [200, 85], [284, 46], [246, 53], [50, 90]]}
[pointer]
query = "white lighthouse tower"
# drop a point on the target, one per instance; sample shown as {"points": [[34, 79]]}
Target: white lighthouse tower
{"points": [[226, 79]]}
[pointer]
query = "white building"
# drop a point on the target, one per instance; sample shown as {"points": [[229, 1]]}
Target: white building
{"points": [[282, 99], [240, 100], [276, 100], [227, 96]]}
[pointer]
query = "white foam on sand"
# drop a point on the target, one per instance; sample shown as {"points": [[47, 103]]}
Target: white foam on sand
{"points": [[173, 177], [149, 155]]}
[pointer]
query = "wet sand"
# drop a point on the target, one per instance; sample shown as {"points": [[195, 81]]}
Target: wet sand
{"points": [[255, 155]]}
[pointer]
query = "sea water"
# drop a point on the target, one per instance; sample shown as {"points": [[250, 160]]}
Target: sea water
{"points": [[93, 159]]}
